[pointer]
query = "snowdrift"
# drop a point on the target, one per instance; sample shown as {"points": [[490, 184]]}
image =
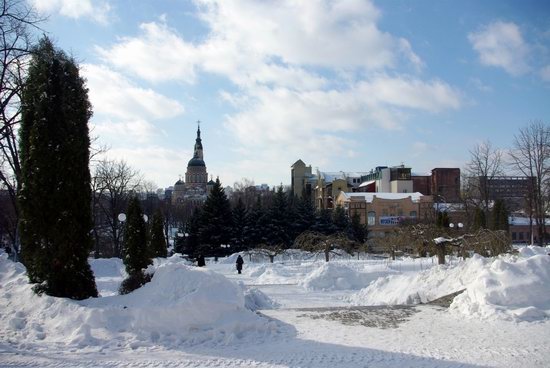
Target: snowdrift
{"points": [[182, 305], [508, 287], [335, 276]]}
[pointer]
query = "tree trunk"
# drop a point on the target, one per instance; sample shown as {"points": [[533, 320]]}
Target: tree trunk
{"points": [[441, 250], [271, 258], [327, 254]]}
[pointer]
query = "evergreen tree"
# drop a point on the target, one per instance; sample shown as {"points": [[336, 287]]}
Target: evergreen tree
{"points": [[136, 256], [278, 227], [504, 214], [499, 216], [323, 223], [305, 215], [240, 216], [189, 243], [357, 231], [340, 219], [157, 243], [55, 197], [256, 223], [216, 222], [479, 219]]}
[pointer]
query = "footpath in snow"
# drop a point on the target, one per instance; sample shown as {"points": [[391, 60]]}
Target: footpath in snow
{"points": [[296, 312]]}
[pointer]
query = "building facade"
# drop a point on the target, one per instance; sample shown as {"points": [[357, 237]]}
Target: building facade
{"points": [[302, 180], [330, 184], [383, 211]]}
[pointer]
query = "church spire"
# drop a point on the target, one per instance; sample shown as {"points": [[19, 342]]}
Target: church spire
{"points": [[198, 143]]}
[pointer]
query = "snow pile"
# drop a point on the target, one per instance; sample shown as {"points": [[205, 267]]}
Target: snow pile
{"points": [[420, 287], [256, 299], [181, 306], [532, 250], [335, 276], [509, 288], [109, 273], [272, 274]]}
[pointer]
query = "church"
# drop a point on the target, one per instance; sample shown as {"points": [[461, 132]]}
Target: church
{"points": [[196, 187]]}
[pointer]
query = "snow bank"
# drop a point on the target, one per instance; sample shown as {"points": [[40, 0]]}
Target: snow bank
{"points": [[256, 299], [420, 287], [532, 250], [335, 276], [272, 273], [109, 273], [181, 306], [508, 288]]}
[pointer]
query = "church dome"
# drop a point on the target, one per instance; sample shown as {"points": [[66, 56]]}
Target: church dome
{"points": [[179, 182], [195, 161]]}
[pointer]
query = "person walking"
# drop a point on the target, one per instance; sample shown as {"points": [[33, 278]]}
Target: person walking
{"points": [[200, 261], [239, 263]]}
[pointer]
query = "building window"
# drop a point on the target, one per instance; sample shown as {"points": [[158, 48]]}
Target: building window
{"points": [[520, 236], [514, 236], [371, 218], [412, 214]]}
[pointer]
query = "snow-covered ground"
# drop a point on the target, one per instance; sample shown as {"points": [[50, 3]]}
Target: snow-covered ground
{"points": [[296, 312]]}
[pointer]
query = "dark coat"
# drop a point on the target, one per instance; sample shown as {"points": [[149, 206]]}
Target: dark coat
{"points": [[240, 263], [200, 261]]}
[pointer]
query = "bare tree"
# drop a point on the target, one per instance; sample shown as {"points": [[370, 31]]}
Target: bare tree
{"points": [[246, 191], [17, 20], [530, 156], [319, 243], [113, 183], [485, 164]]}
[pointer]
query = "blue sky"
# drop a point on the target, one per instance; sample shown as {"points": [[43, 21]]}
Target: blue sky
{"points": [[342, 84]]}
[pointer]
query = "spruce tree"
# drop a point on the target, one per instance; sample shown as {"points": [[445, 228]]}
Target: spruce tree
{"points": [[157, 242], [357, 231], [190, 243], [55, 197], [254, 232], [216, 222], [323, 222], [278, 234], [136, 255], [305, 214], [240, 215], [340, 219]]}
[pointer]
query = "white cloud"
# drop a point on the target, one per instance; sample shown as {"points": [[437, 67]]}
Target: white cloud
{"points": [[501, 44], [95, 10], [340, 33], [124, 131], [265, 42], [433, 96], [313, 120], [159, 54], [309, 76], [114, 95], [159, 164]]}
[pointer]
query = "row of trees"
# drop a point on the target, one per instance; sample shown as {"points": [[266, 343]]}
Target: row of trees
{"points": [[529, 157], [219, 228]]}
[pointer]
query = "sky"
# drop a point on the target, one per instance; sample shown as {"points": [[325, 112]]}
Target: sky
{"points": [[344, 85]]}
